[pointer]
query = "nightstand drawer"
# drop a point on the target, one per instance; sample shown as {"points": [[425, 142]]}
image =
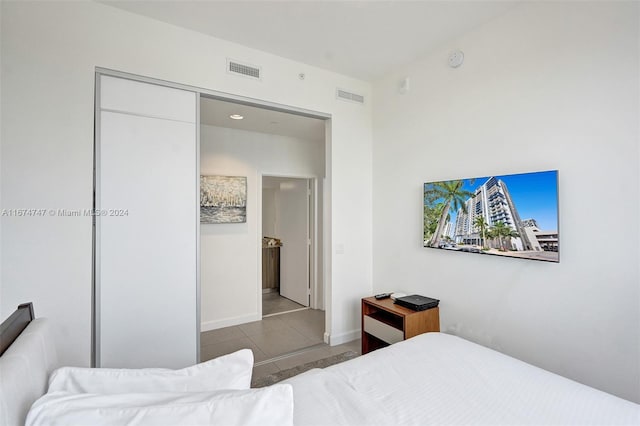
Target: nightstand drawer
{"points": [[382, 331], [385, 323]]}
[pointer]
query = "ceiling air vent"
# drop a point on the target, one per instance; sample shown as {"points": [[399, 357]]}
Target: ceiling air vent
{"points": [[348, 96], [245, 70]]}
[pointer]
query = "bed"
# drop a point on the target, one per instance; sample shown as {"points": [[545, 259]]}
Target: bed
{"points": [[434, 378], [27, 358]]}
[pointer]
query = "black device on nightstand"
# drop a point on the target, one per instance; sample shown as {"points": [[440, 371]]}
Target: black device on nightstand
{"points": [[417, 302]]}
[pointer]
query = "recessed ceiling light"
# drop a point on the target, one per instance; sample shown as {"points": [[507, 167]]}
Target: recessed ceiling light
{"points": [[236, 117]]}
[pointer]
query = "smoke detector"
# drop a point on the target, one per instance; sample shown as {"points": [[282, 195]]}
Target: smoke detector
{"points": [[456, 58]]}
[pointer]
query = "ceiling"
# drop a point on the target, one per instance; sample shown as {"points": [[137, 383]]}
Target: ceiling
{"points": [[216, 113], [362, 39]]}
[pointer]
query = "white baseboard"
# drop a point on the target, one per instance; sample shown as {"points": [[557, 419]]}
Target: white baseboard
{"points": [[228, 322], [340, 338]]}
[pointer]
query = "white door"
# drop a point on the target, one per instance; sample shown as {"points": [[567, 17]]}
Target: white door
{"points": [[293, 229], [146, 240]]}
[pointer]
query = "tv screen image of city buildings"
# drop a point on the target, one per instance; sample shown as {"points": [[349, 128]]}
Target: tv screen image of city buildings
{"points": [[511, 215]]}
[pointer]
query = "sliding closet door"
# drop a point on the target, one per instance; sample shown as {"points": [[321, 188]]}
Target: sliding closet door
{"points": [[146, 231]]}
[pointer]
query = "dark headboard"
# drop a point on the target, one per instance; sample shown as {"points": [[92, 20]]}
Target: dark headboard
{"points": [[11, 328]]}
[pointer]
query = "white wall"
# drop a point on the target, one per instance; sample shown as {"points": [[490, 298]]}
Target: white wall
{"points": [[230, 252], [49, 54], [547, 86]]}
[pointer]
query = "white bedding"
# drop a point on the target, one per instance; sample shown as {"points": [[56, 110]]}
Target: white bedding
{"points": [[231, 371], [432, 379], [436, 379], [270, 406]]}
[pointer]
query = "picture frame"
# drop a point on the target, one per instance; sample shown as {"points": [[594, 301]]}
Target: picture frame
{"points": [[223, 199], [505, 215]]}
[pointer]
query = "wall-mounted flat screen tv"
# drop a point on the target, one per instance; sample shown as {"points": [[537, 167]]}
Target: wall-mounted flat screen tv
{"points": [[510, 215]]}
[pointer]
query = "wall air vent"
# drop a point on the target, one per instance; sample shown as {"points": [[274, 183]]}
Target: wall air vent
{"points": [[348, 96], [245, 70]]}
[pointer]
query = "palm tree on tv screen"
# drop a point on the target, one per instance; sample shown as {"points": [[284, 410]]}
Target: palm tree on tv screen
{"points": [[431, 218], [453, 196], [482, 225], [501, 231]]}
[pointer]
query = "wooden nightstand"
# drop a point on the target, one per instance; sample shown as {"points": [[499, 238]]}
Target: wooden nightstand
{"points": [[385, 323]]}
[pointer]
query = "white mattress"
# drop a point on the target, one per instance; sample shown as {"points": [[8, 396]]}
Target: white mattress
{"points": [[439, 379]]}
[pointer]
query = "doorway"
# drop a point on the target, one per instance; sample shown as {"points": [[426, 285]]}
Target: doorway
{"points": [[290, 150], [286, 152], [227, 261], [287, 245]]}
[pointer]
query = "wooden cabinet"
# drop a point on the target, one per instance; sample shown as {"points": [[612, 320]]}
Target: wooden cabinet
{"points": [[385, 323], [270, 268]]}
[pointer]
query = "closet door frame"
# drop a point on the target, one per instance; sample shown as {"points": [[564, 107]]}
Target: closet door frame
{"points": [[96, 273], [200, 92]]}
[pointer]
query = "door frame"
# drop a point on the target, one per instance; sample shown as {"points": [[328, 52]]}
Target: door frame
{"points": [[244, 100], [314, 261]]}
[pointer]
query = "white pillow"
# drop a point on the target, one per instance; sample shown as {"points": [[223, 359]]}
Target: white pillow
{"points": [[272, 405], [231, 371]]}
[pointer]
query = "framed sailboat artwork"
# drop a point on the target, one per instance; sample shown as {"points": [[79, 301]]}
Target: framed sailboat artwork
{"points": [[223, 199]]}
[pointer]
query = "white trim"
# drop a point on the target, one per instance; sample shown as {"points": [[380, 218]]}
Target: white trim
{"points": [[214, 94], [313, 260], [228, 322], [338, 339], [198, 259], [306, 308], [95, 264], [327, 230], [326, 195], [260, 234], [158, 117], [315, 264]]}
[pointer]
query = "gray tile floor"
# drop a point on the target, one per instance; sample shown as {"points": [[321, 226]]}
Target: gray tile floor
{"points": [[269, 338], [273, 303], [274, 339]]}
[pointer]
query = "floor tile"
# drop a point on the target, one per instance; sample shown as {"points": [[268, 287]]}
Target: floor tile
{"points": [[221, 335], [279, 342], [273, 303], [309, 322], [215, 350], [263, 326], [272, 337]]}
